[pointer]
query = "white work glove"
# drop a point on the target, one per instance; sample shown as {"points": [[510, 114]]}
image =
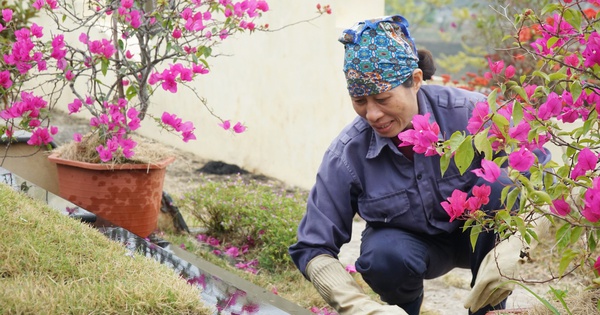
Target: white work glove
{"points": [[339, 289], [501, 264]]}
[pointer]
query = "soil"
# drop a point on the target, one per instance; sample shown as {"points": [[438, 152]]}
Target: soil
{"points": [[443, 296]]}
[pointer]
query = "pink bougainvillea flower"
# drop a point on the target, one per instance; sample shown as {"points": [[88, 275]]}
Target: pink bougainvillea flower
{"points": [[586, 161], [481, 196], [127, 4], [39, 137], [560, 207], [551, 108], [351, 268], [36, 30], [509, 72], [520, 132], [572, 60], [496, 67], [77, 137], [225, 124], [478, 117], [489, 171], [5, 80], [232, 252], [69, 75], [591, 54], [239, 128], [521, 160], [176, 33], [597, 265], [7, 15], [591, 210], [424, 137], [456, 204]]}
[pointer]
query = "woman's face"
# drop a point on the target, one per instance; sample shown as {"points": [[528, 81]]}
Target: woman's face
{"points": [[391, 112]]}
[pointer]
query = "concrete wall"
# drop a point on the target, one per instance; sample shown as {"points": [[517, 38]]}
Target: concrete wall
{"points": [[286, 86]]}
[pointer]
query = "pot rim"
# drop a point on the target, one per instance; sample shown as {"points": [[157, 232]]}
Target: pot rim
{"points": [[53, 157]]}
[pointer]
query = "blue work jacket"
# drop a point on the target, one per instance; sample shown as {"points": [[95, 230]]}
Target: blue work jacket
{"points": [[364, 173]]}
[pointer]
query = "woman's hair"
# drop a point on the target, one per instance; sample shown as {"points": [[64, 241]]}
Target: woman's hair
{"points": [[426, 65]]}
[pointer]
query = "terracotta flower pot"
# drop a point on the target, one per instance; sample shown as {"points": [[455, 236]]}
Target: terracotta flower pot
{"points": [[128, 195]]}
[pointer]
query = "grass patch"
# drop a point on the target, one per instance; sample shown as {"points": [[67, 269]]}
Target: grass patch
{"points": [[51, 264], [257, 218]]}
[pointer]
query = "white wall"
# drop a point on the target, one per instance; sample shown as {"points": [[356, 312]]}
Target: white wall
{"points": [[286, 86]]}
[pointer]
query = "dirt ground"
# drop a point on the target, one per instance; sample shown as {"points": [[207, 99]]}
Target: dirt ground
{"points": [[443, 296]]}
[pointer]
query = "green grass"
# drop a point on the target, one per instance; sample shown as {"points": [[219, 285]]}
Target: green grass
{"points": [[51, 264]]}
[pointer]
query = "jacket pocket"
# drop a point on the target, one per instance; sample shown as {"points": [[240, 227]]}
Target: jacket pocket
{"points": [[384, 210]]}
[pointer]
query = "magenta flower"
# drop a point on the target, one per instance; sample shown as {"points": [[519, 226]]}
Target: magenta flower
{"points": [[39, 137], [456, 204], [176, 33], [77, 137], [489, 171], [481, 196], [509, 72], [424, 137], [36, 30], [586, 161], [560, 207], [74, 106], [239, 128], [479, 116], [225, 124], [7, 15], [496, 67], [521, 160], [551, 108], [5, 80], [520, 132], [597, 265], [127, 4], [232, 252], [350, 268], [591, 54], [591, 210]]}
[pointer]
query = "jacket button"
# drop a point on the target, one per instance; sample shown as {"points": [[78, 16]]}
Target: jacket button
{"points": [[419, 177]]}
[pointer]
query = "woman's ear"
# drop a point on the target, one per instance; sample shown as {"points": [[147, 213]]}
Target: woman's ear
{"points": [[417, 79]]}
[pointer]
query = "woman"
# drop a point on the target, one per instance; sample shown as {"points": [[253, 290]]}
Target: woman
{"points": [[408, 236]]}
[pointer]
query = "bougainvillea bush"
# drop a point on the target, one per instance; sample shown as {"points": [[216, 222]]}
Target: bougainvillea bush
{"points": [[108, 58], [554, 105]]}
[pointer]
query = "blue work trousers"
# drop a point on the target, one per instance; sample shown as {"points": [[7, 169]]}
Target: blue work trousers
{"points": [[394, 262]]}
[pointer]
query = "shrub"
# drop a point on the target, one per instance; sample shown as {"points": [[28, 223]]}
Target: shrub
{"points": [[260, 218]]}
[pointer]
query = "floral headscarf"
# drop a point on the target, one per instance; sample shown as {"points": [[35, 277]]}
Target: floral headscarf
{"points": [[380, 55]]}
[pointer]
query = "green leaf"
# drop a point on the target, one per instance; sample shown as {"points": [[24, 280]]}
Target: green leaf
{"points": [[104, 68], [556, 76], [445, 162], [540, 74], [573, 17], [131, 92], [491, 99], [551, 41], [512, 198], [565, 260], [575, 89], [500, 121], [464, 155], [504, 215], [549, 8], [475, 230], [576, 232], [482, 143], [517, 112], [455, 140], [547, 304]]}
